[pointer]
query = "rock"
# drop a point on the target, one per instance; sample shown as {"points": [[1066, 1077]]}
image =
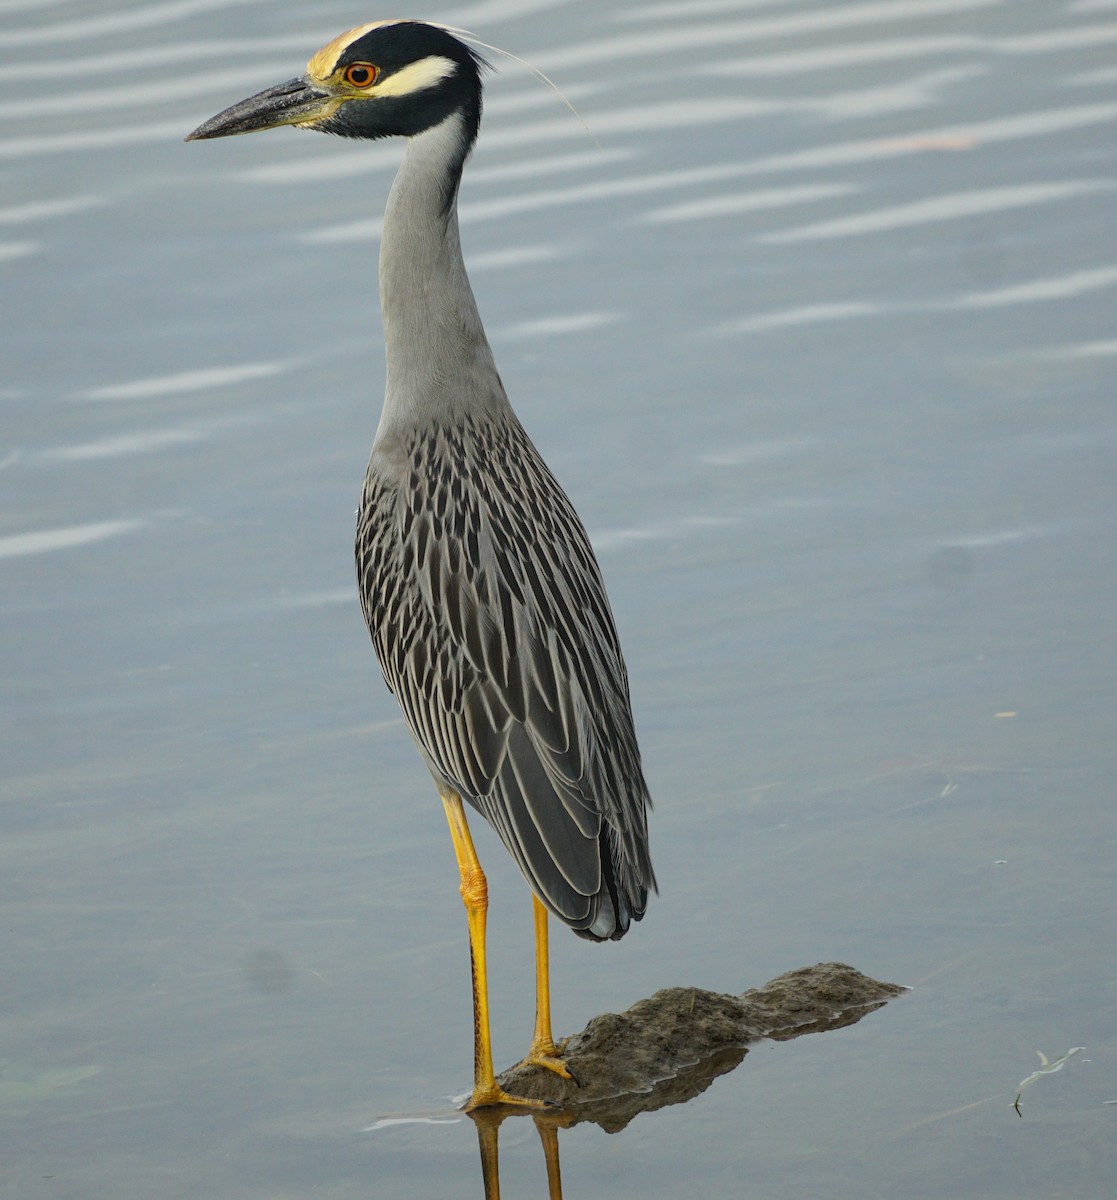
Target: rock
{"points": [[673, 1045]]}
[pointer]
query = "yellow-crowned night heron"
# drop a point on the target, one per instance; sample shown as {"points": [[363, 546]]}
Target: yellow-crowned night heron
{"points": [[478, 582]]}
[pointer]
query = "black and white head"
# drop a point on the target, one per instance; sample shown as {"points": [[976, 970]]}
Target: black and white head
{"points": [[385, 79]]}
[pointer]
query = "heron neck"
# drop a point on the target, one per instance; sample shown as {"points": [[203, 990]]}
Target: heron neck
{"points": [[439, 364]]}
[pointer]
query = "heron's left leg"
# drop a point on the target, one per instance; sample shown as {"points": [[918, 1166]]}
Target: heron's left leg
{"points": [[543, 1052], [475, 896]]}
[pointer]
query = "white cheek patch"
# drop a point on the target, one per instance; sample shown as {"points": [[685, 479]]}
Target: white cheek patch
{"points": [[416, 77]]}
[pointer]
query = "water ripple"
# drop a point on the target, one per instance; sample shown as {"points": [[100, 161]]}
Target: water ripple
{"points": [[123, 446], [845, 54], [138, 96], [44, 209], [606, 189], [1049, 41], [1058, 287], [7, 6], [512, 256], [962, 136], [1034, 291], [10, 250], [1106, 349], [742, 202], [807, 314], [44, 541], [91, 139], [606, 540], [157, 56], [950, 207], [921, 91], [677, 38], [76, 29], [555, 326], [751, 453], [204, 379]]}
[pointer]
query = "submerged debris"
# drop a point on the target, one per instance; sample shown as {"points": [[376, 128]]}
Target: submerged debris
{"points": [[673, 1045], [1046, 1068]]}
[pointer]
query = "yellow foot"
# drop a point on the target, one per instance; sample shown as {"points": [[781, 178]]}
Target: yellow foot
{"points": [[494, 1096], [547, 1057]]}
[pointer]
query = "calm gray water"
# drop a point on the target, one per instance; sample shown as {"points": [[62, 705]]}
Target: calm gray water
{"points": [[821, 342]]}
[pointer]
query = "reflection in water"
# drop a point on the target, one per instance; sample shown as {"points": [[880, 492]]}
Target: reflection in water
{"points": [[666, 1050], [663, 1051], [489, 1121]]}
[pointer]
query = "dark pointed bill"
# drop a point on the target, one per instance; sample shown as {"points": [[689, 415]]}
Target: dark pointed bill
{"points": [[292, 103]]}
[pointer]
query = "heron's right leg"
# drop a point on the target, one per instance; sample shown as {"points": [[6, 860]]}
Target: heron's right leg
{"points": [[543, 1052], [475, 896]]}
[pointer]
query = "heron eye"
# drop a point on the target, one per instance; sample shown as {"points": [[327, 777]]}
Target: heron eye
{"points": [[360, 75]]}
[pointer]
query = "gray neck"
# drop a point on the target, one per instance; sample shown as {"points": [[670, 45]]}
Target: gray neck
{"points": [[439, 365]]}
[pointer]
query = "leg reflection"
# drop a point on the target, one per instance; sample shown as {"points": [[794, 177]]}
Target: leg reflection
{"points": [[488, 1134], [489, 1121], [548, 1135]]}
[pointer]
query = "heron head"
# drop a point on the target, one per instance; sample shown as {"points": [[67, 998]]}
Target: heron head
{"points": [[385, 79]]}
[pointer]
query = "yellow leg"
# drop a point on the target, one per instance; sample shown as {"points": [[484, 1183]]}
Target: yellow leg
{"points": [[543, 1052], [548, 1135], [475, 896]]}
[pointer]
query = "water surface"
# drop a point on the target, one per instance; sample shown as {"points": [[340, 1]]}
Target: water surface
{"points": [[821, 342]]}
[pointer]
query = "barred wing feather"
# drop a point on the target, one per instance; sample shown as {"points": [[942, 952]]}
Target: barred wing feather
{"points": [[492, 626]]}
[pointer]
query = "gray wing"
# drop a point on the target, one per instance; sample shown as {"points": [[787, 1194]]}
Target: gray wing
{"points": [[490, 619]]}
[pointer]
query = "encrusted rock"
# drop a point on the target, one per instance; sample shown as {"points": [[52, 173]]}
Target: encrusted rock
{"points": [[671, 1046]]}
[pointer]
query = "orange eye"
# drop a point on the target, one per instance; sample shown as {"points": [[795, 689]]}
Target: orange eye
{"points": [[360, 75]]}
